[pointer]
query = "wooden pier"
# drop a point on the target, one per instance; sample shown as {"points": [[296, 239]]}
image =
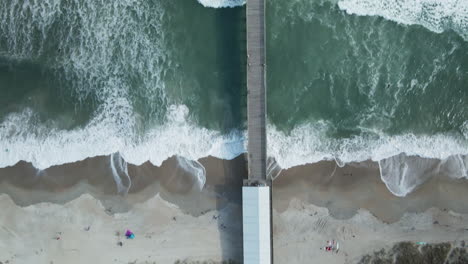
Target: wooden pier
{"points": [[256, 89], [256, 193]]}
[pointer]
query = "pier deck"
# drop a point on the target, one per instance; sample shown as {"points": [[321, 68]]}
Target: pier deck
{"points": [[256, 193], [256, 99]]}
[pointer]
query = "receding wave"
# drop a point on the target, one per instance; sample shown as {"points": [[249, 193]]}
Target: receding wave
{"points": [[402, 173], [436, 15]]}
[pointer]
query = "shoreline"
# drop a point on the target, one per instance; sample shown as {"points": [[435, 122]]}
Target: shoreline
{"points": [[326, 181], [345, 190], [86, 214], [311, 204]]}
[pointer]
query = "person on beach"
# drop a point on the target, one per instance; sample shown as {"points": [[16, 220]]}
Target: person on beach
{"points": [[329, 246]]}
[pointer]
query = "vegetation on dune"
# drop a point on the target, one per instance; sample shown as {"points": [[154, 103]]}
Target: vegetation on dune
{"points": [[411, 253]]}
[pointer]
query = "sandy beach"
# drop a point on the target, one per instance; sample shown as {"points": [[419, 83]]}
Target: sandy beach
{"points": [[351, 205], [81, 219]]}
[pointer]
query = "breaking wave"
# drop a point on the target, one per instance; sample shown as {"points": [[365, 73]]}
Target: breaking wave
{"points": [[406, 161], [112, 55], [221, 3], [435, 15], [309, 143], [23, 140]]}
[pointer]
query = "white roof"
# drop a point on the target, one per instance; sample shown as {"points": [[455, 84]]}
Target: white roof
{"points": [[256, 224]]}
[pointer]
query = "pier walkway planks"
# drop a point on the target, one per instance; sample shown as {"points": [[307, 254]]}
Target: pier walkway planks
{"points": [[256, 99]]}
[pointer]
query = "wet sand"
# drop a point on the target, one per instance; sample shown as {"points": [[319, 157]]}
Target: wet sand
{"points": [[174, 220], [358, 186], [171, 218], [321, 202]]}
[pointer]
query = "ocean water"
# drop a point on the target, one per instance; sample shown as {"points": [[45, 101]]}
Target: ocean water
{"points": [[370, 79], [146, 79], [348, 80]]}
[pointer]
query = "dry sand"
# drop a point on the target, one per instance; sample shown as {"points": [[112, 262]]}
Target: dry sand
{"points": [[320, 202], [51, 233], [302, 231], [172, 220]]}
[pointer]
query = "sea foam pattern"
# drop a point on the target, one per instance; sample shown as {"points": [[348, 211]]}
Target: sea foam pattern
{"points": [[436, 15], [309, 144], [406, 161], [402, 174], [23, 140], [97, 48]]}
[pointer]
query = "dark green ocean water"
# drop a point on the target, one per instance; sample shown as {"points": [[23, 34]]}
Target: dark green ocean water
{"points": [[152, 79], [156, 53], [363, 72]]}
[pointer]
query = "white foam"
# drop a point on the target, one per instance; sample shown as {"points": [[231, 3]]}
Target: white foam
{"points": [[424, 156], [435, 15], [195, 169], [179, 136], [402, 174], [222, 3], [118, 167], [22, 139], [93, 60], [309, 143]]}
